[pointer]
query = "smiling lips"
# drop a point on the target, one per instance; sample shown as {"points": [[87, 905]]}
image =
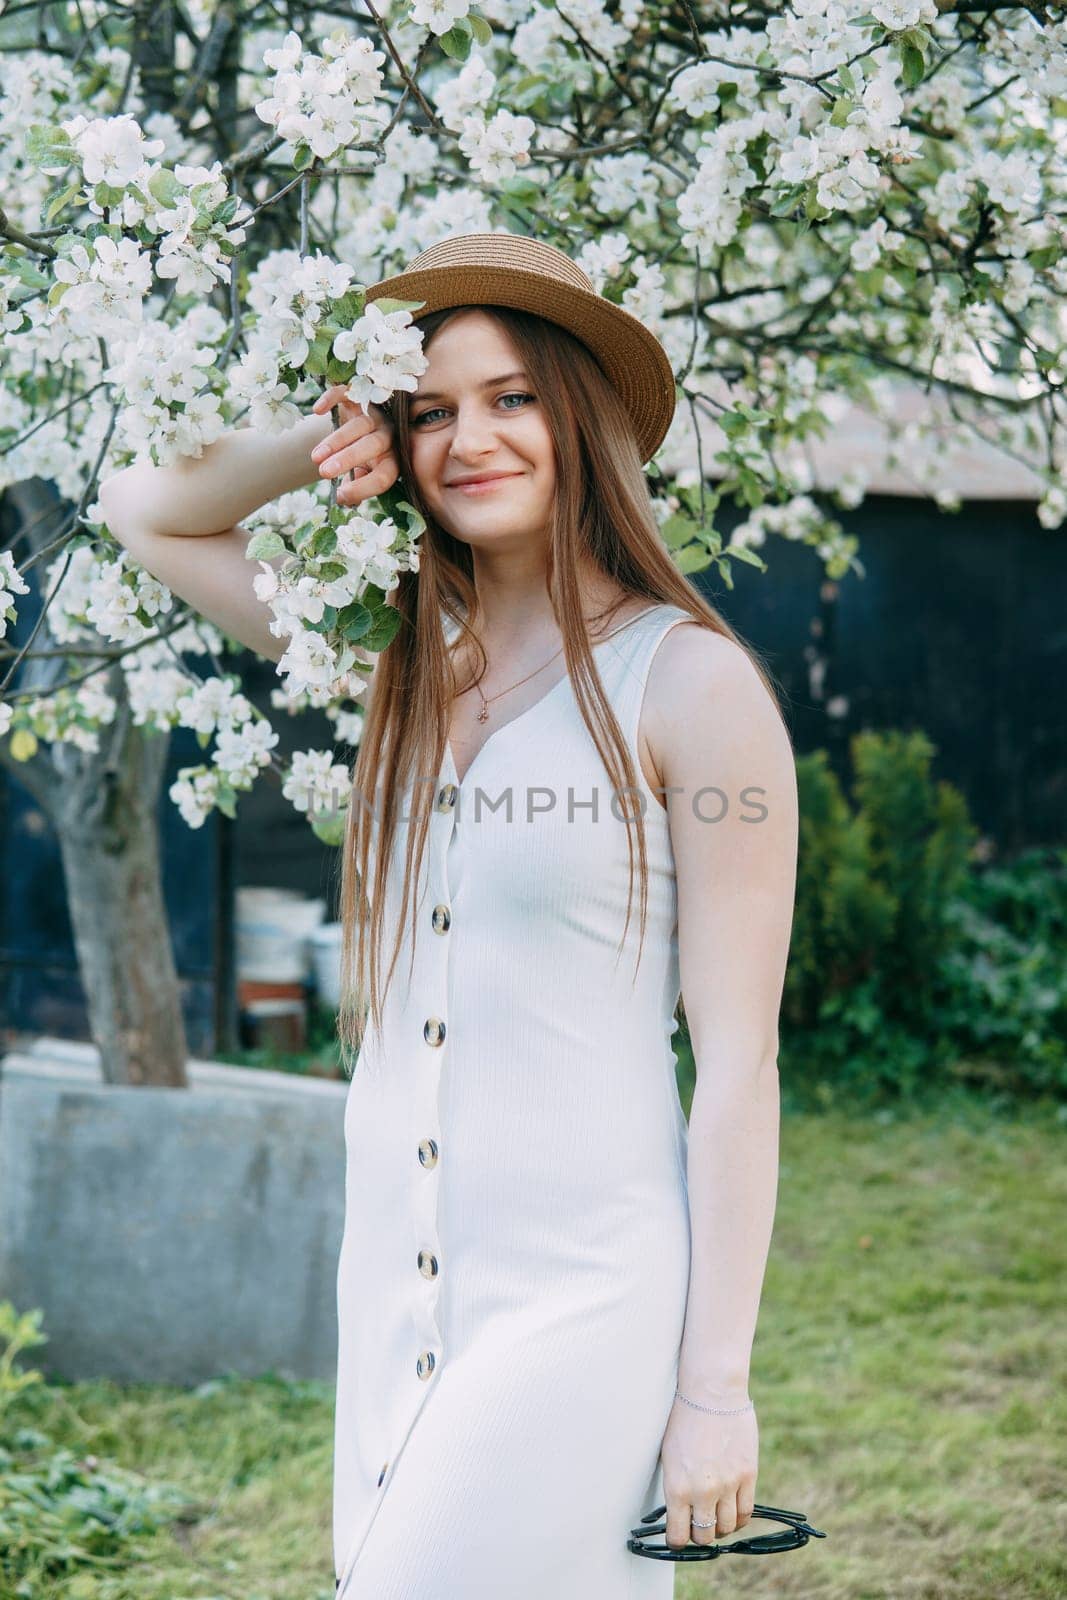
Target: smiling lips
{"points": [[482, 485]]}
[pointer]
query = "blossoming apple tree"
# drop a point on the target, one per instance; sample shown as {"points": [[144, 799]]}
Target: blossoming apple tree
{"points": [[808, 202]]}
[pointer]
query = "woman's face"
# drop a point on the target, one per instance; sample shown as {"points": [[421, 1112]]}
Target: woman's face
{"points": [[475, 416]]}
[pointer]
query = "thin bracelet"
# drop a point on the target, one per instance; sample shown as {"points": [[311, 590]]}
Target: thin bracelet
{"points": [[719, 1411]]}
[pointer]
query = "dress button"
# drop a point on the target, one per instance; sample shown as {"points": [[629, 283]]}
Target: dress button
{"points": [[427, 1264], [433, 1030], [446, 797], [381, 1475], [425, 1364], [441, 920], [428, 1152]]}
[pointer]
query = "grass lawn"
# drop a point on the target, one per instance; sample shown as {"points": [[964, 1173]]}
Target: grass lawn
{"points": [[910, 1376]]}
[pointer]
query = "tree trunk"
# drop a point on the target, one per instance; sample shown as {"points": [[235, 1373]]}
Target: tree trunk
{"points": [[103, 806], [105, 810]]}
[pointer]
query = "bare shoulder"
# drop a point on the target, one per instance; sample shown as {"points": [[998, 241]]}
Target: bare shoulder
{"points": [[705, 698]]}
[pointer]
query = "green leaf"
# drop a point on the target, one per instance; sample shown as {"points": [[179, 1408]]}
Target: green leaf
{"points": [[226, 800], [350, 307], [480, 27], [846, 79], [354, 622], [677, 530], [1045, 257], [108, 194], [527, 91], [414, 520], [303, 157], [227, 211], [694, 558], [788, 200], [25, 271], [724, 572], [318, 357], [330, 829], [323, 542], [48, 147], [812, 208], [841, 112], [520, 188], [385, 305], [165, 188], [913, 65], [384, 631], [457, 41], [23, 744], [733, 424], [262, 546], [741, 552], [61, 198]]}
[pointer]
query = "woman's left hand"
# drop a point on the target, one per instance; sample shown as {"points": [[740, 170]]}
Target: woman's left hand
{"points": [[709, 1473]]}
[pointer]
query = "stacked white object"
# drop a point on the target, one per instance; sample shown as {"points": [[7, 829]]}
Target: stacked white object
{"points": [[325, 943], [274, 928]]}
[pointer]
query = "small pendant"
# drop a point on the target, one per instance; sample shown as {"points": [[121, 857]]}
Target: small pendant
{"points": [[483, 715]]}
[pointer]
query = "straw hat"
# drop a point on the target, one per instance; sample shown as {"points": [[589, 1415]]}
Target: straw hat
{"points": [[509, 269]]}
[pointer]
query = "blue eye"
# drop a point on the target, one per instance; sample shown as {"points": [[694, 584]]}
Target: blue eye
{"points": [[515, 394]]}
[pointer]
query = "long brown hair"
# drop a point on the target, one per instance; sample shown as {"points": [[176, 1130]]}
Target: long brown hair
{"points": [[602, 512]]}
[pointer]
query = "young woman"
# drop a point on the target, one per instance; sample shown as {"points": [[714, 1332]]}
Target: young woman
{"points": [[549, 1284]]}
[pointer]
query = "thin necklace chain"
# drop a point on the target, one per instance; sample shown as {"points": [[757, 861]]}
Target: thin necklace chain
{"points": [[484, 711]]}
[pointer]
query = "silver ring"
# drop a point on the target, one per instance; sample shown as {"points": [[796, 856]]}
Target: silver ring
{"points": [[694, 1523]]}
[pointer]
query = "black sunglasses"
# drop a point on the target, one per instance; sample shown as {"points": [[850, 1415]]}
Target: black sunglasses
{"points": [[797, 1532]]}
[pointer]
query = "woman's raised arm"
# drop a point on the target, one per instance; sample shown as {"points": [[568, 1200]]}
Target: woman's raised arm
{"points": [[182, 522]]}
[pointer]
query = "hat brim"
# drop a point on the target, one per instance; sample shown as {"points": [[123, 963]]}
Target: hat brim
{"points": [[631, 356]]}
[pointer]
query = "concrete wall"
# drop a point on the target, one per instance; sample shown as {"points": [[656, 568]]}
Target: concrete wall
{"points": [[170, 1235]]}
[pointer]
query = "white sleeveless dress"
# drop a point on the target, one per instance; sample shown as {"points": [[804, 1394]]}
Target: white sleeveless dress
{"points": [[514, 1267]]}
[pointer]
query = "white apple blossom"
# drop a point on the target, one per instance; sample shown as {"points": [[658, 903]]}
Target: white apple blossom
{"points": [[867, 247], [121, 594], [112, 150], [387, 351], [624, 185], [195, 792], [901, 14], [347, 725], [438, 15], [498, 148], [317, 782], [696, 89], [326, 102], [215, 704], [470, 90], [1052, 509], [604, 258], [11, 584], [241, 752], [1012, 180]]}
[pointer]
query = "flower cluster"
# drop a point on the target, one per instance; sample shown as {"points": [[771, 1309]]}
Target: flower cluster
{"points": [[11, 583], [244, 740], [321, 104], [335, 573]]}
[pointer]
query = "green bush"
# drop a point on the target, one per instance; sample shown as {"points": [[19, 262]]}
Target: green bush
{"points": [[1002, 995], [60, 1513], [910, 964]]}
